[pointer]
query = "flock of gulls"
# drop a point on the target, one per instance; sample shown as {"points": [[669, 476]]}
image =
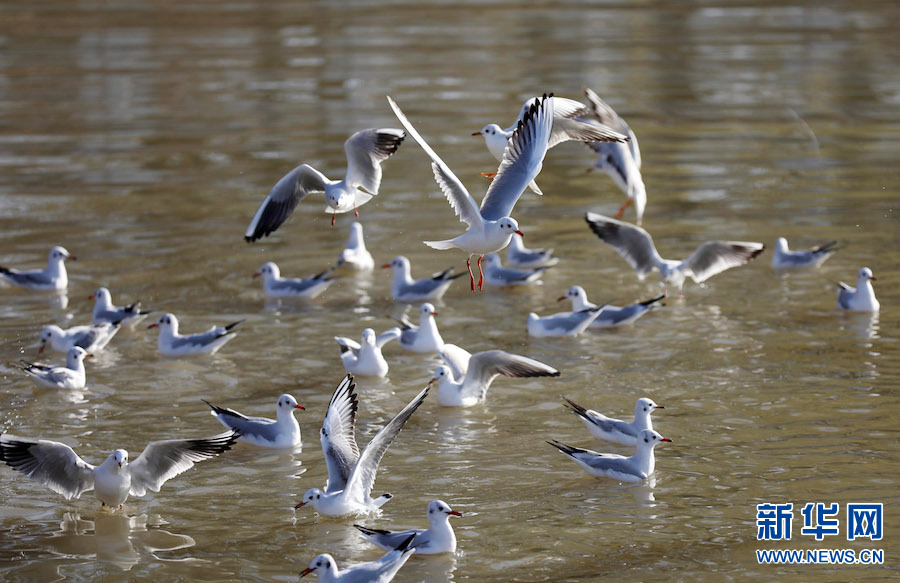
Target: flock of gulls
{"points": [[462, 381]]}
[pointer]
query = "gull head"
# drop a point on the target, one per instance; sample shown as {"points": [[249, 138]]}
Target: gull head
{"points": [[649, 438], [166, 322], [120, 457], [268, 271], [399, 262], [489, 130], [76, 354], [645, 406], [440, 510], [48, 334], [427, 310], [102, 296], [781, 245], [368, 336], [60, 254], [866, 274], [287, 403], [311, 496], [339, 200], [324, 562], [441, 374], [508, 225], [576, 292]]}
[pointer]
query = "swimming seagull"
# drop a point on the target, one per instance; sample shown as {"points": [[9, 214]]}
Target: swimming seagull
{"points": [[92, 338], [497, 275], [284, 431], [71, 376], [406, 289], [365, 359], [380, 571], [275, 286], [365, 150], [171, 343], [54, 276], [635, 245], [490, 227], [105, 311], [425, 337], [562, 323], [860, 298], [616, 430], [438, 538], [622, 162], [355, 254], [784, 258], [571, 121], [520, 257], [465, 379], [611, 315], [58, 467], [618, 467], [351, 474]]}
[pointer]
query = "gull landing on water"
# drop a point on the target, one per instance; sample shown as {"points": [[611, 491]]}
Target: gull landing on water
{"points": [[365, 150], [54, 276], [609, 465], [490, 227], [438, 538], [860, 298], [284, 431], [380, 571]]}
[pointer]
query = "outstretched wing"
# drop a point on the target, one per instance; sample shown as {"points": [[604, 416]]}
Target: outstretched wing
{"points": [[283, 199], [485, 366], [387, 336], [50, 463], [459, 198], [163, 460], [338, 436], [366, 150], [715, 257], [457, 359], [634, 244]]}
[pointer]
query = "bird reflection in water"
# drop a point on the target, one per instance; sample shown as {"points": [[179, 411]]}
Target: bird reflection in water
{"points": [[115, 538]]}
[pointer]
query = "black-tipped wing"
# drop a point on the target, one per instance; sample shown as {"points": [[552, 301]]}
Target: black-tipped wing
{"points": [[338, 436], [634, 244], [485, 366], [283, 199], [366, 150], [715, 257], [163, 460], [50, 463]]}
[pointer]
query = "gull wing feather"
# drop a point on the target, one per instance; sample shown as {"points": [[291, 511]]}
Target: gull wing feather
{"points": [[366, 150], [387, 336], [283, 199], [715, 257], [457, 359], [50, 463], [485, 366], [459, 198], [634, 244], [348, 344], [338, 436], [163, 460]]}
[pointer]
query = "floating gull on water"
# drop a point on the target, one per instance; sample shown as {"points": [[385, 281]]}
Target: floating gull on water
{"points": [[406, 289], [284, 431], [171, 343], [784, 258], [58, 467], [54, 276], [562, 323], [92, 338], [438, 538], [611, 315], [105, 311], [351, 474], [366, 359], [71, 376], [497, 275], [616, 430], [425, 337], [356, 255], [276, 286], [365, 150], [520, 257], [860, 298], [380, 571], [609, 465]]}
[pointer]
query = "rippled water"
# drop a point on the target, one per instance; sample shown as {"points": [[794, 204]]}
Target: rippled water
{"points": [[143, 136]]}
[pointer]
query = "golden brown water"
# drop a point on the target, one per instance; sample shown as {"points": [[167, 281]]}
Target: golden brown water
{"points": [[142, 136]]}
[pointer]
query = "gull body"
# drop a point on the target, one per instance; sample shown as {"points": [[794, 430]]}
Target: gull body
{"points": [[636, 246], [406, 289], [436, 539], [465, 379], [58, 467], [860, 298], [171, 343], [490, 226], [616, 430], [618, 467], [380, 571], [784, 258], [497, 275], [275, 286], [611, 315], [562, 323], [424, 338], [520, 257], [365, 150], [365, 358], [351, 473], [355, 254], [71, 376], [92, 338], [283, 431], [54, 276], [106, 312]]}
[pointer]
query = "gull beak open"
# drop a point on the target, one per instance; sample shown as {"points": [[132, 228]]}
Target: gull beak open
{"points": [[306, 571], [521, 234]]}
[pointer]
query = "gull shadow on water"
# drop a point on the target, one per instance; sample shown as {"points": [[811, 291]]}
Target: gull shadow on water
{"points": [[863, 324], [114, 538]]}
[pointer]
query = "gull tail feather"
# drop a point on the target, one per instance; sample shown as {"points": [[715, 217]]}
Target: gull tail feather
{"points": [[441, 245]]}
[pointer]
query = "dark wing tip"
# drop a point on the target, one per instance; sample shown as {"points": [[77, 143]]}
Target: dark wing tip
{"points": [[404, 546], [653, 300], [232, 325]]}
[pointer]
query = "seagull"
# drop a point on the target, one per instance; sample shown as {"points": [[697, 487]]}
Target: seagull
{"points": [[616, 430], [465, 379], [562, 323], [92, 338], [611, 315], [171, 343], [571, 121], [105, 311], [438, 538], [618, 467], [365, 150], [622, 162], [71, 376], [784, 258], [58, 467], [53, 277], [520, 257], [406, 289], [366, 359], [356, 255], [281, 432], [635, 245], [351, 474], [860, 298], [490, 227], [380, 571], [276, 286], [425, 337], [497, 275]]}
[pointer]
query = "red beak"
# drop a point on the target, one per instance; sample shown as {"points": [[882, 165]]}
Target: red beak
{"points": [[299, 505], [476, 133], [153, 325], [256, 274], [41, 349], [560, 298], [72, 257], [660, 407], [386, 265], [454, 513], [299, 406], [306, 572], [434, 313], [520, 233], [872, 278], [666, 439], [90, 297]]}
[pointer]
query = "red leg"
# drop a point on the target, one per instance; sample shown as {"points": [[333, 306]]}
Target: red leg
{"points": [[471, 277], [480, 273], [355, 212], [332, 219], [622, 209]]}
